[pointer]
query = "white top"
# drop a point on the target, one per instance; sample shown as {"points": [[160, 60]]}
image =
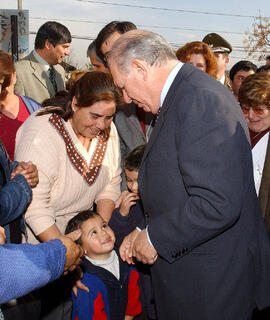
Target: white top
{"points": [[111, 264], [222, 79], [258, 157], [62, 191]]}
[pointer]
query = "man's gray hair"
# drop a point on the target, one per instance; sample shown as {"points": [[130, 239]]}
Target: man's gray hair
{"points": [[142, 45]]}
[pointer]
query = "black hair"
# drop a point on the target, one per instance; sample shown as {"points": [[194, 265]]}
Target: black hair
{"points": [[76, 222], [133, 161], [265, 68], [119, 26], [244, 65], [55, 32]]}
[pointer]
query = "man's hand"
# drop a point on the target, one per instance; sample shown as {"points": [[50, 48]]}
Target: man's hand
{"points": [[142, 249], [128, 200], [29, 171], [2, 236], [126, 247], [74, 252]]}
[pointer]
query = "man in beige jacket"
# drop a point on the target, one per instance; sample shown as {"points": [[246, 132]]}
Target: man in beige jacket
{"points": [[39, 75]]}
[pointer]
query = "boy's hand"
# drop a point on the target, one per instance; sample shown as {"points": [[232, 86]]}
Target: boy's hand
{"points": [[78, 274], [29, 171], [128, 200]]}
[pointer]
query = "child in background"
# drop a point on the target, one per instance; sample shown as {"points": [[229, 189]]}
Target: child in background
{"points": [[127, 217], [113, 288]]}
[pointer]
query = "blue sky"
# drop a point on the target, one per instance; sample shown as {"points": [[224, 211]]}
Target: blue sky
{"points": [[176, 26]]}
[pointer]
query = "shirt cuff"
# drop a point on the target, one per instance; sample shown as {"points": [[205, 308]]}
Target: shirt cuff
{"points": [[148, 238]]}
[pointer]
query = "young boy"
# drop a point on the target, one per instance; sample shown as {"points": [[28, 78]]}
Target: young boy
{"points": [[129, 214], [113, 288], [127, 217]]}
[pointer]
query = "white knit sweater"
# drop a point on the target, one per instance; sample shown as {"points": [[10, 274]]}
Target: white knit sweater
{"points": [[62, 191]]}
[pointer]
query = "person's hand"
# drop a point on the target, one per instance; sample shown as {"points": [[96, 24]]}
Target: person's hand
{"points": [[29, 171], [74, 251], [126, 247], [118, 202], [78, 274], [142, 249], [128, 200], [2, 236]]}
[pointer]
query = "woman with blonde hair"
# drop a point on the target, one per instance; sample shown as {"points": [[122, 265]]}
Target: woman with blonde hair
{"points": [[199, 55]]}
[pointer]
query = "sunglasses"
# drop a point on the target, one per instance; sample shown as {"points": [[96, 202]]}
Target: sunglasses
{"points": [[256, 110]]}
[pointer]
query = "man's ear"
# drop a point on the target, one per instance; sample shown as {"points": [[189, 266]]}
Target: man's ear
{"points": [[141, 68], [227, 60], [47, 44]]}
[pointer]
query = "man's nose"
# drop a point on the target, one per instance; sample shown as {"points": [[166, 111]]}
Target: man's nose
{"points": [[126, 97]]}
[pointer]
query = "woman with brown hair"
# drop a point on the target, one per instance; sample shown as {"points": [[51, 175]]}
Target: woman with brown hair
{"points": [[14, 108], [76, 149], [254, 98], [199, 55]]}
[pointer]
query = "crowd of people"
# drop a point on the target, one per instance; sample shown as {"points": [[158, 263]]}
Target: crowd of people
{"points": [[139, 189]]}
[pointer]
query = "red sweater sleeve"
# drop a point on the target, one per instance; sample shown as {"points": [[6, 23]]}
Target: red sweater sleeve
{"points": [[99, 312], [134, 305]]}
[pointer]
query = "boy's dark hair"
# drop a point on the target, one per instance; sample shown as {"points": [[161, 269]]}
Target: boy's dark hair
{"points": [[133, 161], [55, 32], [76, 222], [244, 65], [119, 26]]}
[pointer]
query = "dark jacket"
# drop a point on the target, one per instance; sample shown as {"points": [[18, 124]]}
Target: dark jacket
{"points": [[122, 226], [15, 194], [108, 297], [203, 216]]}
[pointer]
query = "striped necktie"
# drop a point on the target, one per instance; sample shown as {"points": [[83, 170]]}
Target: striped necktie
{"points": [[52, 77]]}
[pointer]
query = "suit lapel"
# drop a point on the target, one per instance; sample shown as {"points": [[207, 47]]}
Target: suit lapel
{"points": [[41, 75], [186, 68]]}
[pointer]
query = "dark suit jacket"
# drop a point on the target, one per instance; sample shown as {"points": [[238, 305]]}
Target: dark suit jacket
{"points": [[202, 212], [33, 82]]}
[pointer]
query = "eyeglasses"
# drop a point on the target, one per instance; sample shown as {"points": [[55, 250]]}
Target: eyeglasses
{"points": [[256, 110]]}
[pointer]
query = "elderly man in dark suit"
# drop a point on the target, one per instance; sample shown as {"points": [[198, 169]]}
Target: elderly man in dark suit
{"points": [[40, 75], [204, 233]]}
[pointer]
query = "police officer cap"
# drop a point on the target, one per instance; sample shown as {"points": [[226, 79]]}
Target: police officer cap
{"points": [[217, 43]]}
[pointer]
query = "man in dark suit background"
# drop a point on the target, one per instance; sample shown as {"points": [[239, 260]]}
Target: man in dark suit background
{"points": [[204, 233], [40, 75]]}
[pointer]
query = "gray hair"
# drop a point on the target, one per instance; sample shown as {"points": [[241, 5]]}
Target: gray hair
{"points": [[143, 45]]}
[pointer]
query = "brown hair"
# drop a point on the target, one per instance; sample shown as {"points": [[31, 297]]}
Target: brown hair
{"points": [[92, 87], [183, 54], [6, 70], [74, 77], [255, 90]]}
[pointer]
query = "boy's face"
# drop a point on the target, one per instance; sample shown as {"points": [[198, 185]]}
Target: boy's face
{"points": [[97, 238], [132, 181]]}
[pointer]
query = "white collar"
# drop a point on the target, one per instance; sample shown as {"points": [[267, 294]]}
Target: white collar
{"points": [[169, 82]]}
